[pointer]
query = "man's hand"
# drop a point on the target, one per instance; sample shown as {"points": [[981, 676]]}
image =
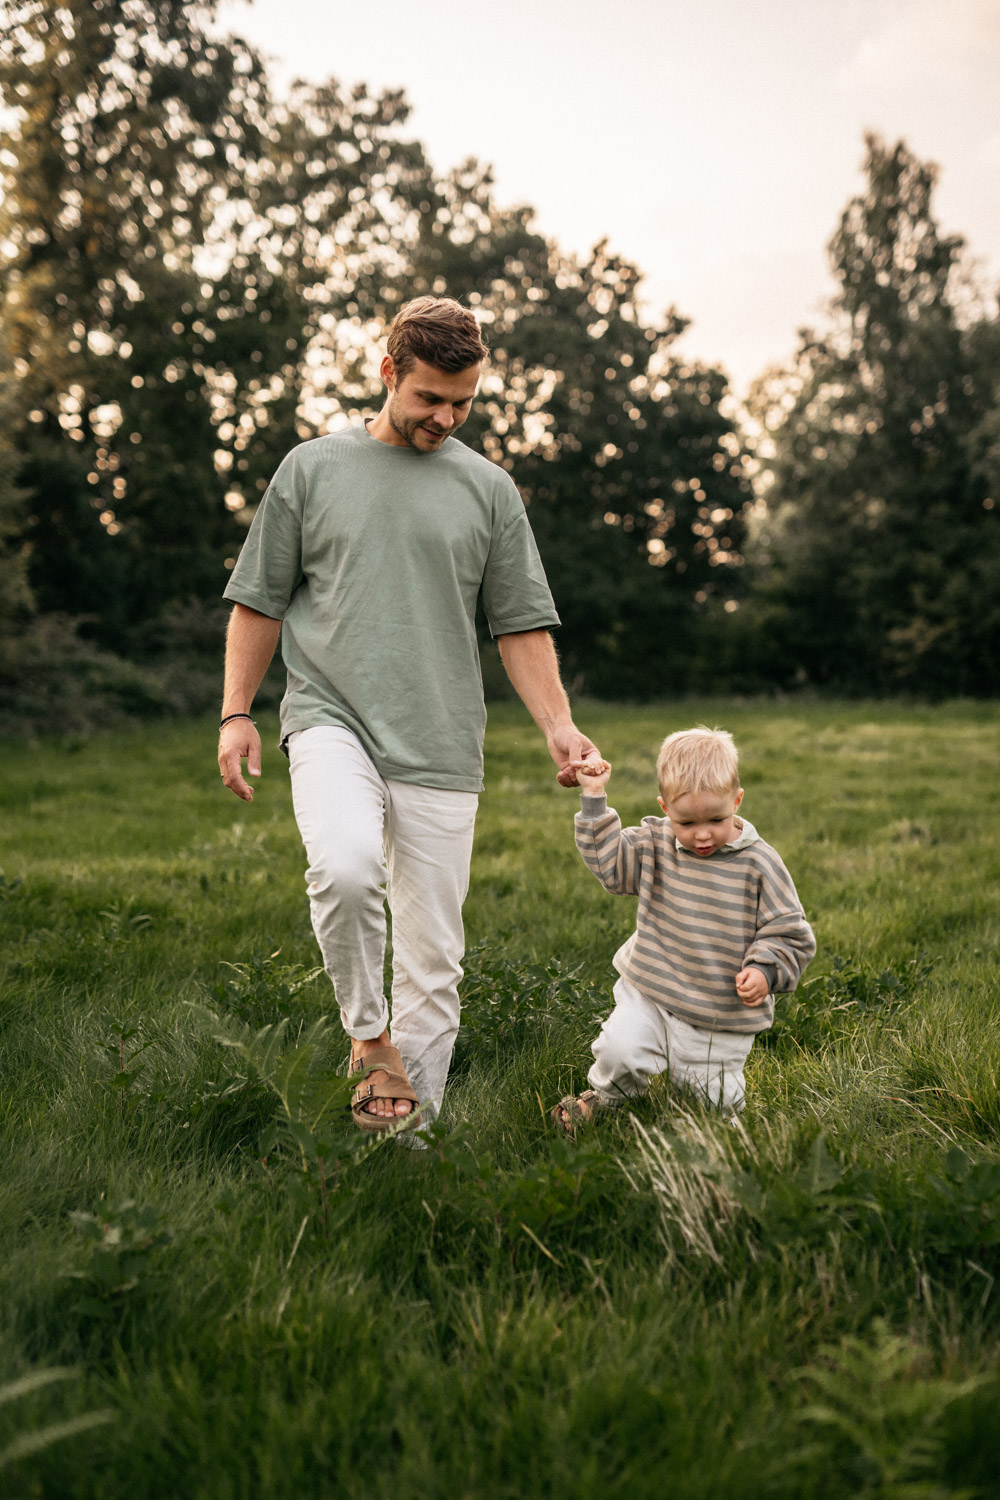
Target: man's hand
{"points": [[752, 986], [250, 642], [239, 741], [569, 749]]}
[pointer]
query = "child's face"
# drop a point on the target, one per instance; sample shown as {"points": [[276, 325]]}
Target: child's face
{"points": [[703, 821]]}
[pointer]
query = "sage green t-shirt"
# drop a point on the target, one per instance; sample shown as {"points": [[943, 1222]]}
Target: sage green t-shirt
{"points": [[373, 558]]}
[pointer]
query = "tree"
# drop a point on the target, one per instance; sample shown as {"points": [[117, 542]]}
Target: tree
{"points": [[176, 247], [195, 275], [886, 542], [633, 474], [16, 604]]}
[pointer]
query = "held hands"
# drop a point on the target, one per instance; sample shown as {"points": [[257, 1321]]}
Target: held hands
{"points": [[592, 775], [239, 741], [569, 749], [751, 986]]}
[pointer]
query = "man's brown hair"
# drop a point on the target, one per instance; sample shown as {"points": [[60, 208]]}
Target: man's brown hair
{"points": [[438, 330]]}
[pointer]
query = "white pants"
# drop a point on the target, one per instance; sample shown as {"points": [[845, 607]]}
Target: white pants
{"points": [[368, 840], [640, 1039]]}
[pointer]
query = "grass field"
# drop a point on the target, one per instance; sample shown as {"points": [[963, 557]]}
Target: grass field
{"points": [[212, 1286]]}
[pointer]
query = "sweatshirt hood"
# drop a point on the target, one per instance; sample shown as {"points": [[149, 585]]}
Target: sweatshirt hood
{"points": [[746, 836]]}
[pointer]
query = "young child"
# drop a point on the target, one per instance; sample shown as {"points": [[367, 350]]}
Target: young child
{"points": [[719, 928]]}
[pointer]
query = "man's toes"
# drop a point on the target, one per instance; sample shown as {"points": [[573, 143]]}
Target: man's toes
{"points": [[388, 1108]]}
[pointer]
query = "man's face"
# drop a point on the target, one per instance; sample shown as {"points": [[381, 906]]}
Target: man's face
{"points": [[427, 405]]}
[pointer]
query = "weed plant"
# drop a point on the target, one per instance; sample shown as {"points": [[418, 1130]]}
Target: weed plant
{"points": [[213, 1286]]}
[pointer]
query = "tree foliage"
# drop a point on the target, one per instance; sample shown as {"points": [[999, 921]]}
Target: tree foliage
{"points": [[633, 475], [884, 460], [195, 275], [176, 248]]}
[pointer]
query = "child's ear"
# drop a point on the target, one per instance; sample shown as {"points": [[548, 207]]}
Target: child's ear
{"points": [[663, 805], [739, 797]]}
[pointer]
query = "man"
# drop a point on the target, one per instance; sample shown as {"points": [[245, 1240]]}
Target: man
{"points": [[368, 555]]}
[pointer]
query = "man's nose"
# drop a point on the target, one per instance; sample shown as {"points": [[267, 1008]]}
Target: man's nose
{"points": [[444, 416]]}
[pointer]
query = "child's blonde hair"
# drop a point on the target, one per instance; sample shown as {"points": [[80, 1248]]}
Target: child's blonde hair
{"points": [[697, 760]]}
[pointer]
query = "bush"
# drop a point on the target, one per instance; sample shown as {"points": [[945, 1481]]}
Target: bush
{"points": [[52, 681]]}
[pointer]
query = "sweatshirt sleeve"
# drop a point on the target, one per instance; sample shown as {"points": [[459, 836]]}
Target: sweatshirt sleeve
{"points": [[610, 852], [783, 943]]}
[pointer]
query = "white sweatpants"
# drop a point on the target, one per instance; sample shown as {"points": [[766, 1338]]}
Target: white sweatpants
{"points": [[367, 840], [640, 1039]]}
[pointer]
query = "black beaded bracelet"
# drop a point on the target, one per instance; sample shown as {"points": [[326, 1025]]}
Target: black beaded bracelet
{"points": [[229, 717]]}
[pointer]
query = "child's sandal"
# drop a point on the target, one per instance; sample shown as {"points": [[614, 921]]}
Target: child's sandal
{"points": [[575, 1109]]}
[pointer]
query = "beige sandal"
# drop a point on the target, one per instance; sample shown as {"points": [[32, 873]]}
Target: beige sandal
{"points": [[395, 1085], [576, 1110]]}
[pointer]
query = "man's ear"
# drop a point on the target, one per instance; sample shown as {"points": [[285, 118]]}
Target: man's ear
{"points": [[387, 370]]}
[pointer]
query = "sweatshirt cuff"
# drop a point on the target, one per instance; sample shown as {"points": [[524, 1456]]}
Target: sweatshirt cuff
{"points": [[769, 971], [593, 807]]}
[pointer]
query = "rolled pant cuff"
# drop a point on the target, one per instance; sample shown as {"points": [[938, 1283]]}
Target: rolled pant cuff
{"points": [[370, 1030], [613, 1096]]}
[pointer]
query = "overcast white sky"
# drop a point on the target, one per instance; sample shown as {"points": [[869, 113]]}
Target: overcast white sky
{"points": [[714, 142]]}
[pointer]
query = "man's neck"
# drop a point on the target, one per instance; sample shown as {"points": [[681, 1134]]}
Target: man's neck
{"points": [[381, 428]]}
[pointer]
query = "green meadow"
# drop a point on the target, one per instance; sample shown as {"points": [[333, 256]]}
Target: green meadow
{"points": [[213, 1286]]}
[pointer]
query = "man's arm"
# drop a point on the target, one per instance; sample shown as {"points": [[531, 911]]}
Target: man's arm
{"points": [[250, 642], [529, 657]]}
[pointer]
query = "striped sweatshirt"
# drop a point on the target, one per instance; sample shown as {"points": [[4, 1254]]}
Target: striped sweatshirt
{"points": [[700, 921]]}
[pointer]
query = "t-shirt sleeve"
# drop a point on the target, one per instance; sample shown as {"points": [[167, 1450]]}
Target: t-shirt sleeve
{"points": [[269, 567], [515, 592]]}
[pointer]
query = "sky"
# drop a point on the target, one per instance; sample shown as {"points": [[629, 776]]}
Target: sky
{"points": [[714, 143]]}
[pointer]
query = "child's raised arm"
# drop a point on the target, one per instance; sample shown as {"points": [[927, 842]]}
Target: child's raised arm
{"points": [[614, 854]]}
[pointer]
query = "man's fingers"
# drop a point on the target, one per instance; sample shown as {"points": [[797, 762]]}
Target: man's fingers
{"points": [[231, 757], [232, 779], [582, 750], [586, 754]]}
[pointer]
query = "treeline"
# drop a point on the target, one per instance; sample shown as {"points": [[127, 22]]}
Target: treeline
{"points": [[195, 274]]}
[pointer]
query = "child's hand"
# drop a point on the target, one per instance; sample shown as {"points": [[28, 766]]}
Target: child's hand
{"points": [[751, 986], [592, 776]]}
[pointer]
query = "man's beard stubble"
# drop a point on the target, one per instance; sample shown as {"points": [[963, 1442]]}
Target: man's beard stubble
{"points": [[407, 428]]}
